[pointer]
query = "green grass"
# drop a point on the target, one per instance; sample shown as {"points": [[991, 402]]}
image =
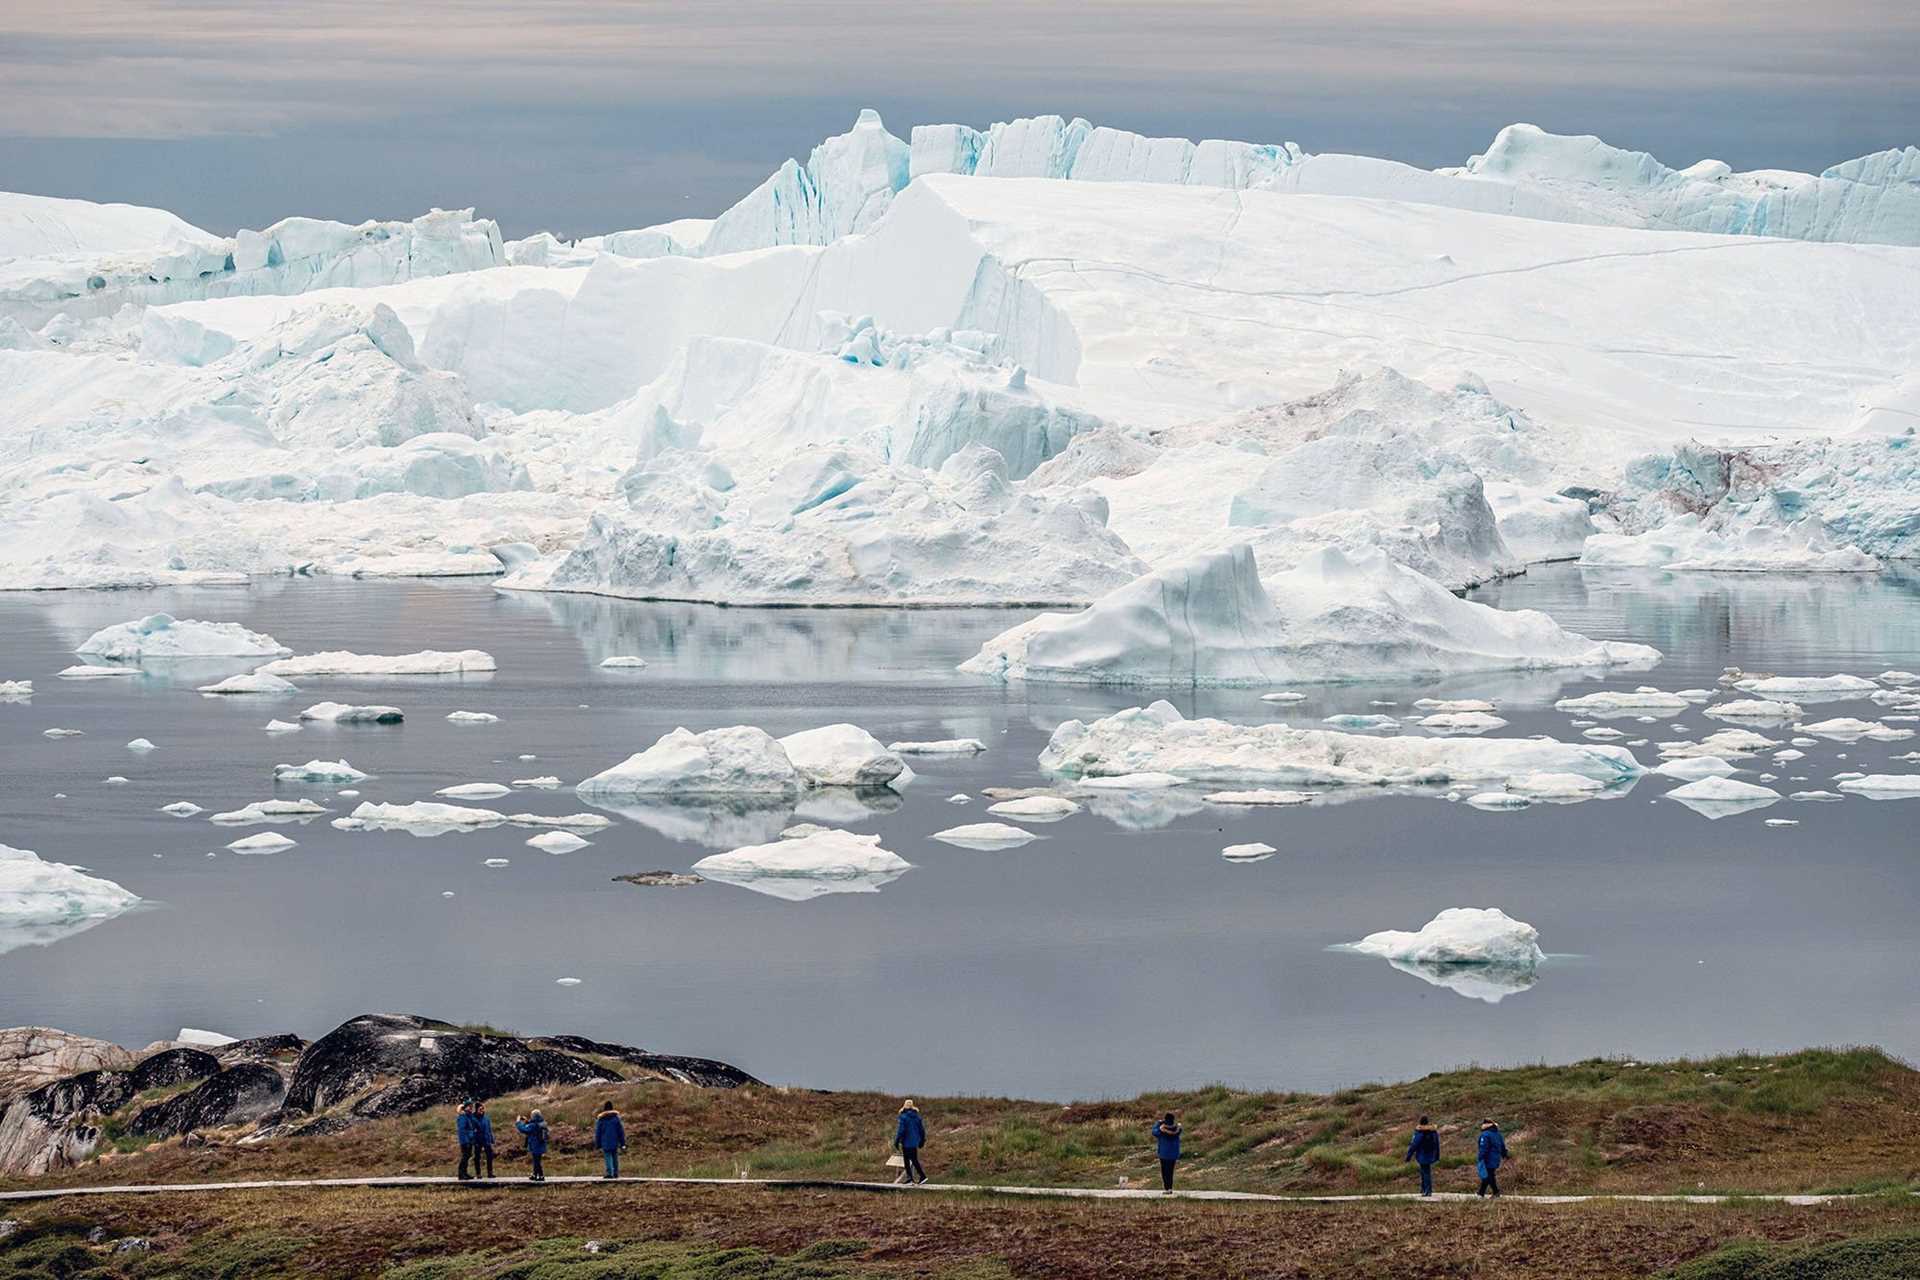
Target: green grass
{"points": [[57, 1249], [1888, 1257]]}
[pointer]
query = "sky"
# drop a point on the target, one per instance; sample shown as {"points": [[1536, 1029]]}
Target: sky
{"points": [[583, 116]]}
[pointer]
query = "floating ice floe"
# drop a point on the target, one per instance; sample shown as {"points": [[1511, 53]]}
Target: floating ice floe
{"points": [[332, 772], [1685, 543], [563, 821], [1602, 733], [1850, 729], [566, 982], [496, 862], [1693, 768], [1355, 722], [141, 744], [472, 717], [251, 682], [1211, 620], [1782, 822], [939, 747], [1898, 677], [1253, 852], [741, 760], [203, 1039], [1285, 695], [557, 842], [1481, 953], [825, 862], [116, 781], [1610, 702], [841, 755], [63, 733], [422, 818], [473, 791], [1497, 801], [281, 726], [1453, 706], [1158, 738], [1884, 785], [42, 902], [986, 835], [1463, 721], [1807, 688], [1723, 797], [1556, 786], [269, 811], [1818, 795], [86, 672], [343, 713], [1035, 808], [181, 808], [340, 662], [265, 842], [1258, 797], [624, 662], [1132, 782], [161, 635], [1756, 709], [547, 783], [1726, 742], [14, 690]]}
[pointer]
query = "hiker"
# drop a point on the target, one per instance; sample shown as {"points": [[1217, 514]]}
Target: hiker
{"points": [[1493, 1149], [1425, 1148], [534, 1126], [463, 1129], [610, 1136], [1166, 1139], [482, 1139], [909, 1135]]}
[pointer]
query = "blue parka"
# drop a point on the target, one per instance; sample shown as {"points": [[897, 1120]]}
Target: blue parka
{"points": [[536, 1131], [1425, 1146], [911, 1131], [483, 1131], [1493, 1149], [608, 1133], [1166, 1139], [463, 1128]]}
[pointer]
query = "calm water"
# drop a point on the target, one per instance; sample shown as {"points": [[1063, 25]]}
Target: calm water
{"points": [[1119, 953]]}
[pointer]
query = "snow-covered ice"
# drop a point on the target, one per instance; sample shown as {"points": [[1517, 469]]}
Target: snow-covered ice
{"points": [[624, 662], [340, 662], [329, 772], [1468, 722], [1808, 688], [1852, 729], [986, 835], [557, 842], [1132, 782], [345, 713], [181, 808], [1719, 797], [1883, 785], [281, 726], [1479, 952], [828, 861], [474, 791], [251, 682], [472, 717], [86, 671], [421, 818], [1035, 808], [1622, 702], [269, 811], [731, 761], [1692, 768], [842, 755], [939, 747], [1251, 852], [1499, 801], [141, 744], [264, 842], [161, 635], [1756, 709]]}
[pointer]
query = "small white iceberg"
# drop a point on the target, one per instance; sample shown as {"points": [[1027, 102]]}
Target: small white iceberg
{"points": [[1727, 742], [1715, 798], [63, 733], [623, 662], [546, 783], [1884, 786], [421, 818], [1285, 695], [561, 821], [1452, 706], [181, 808], [141, 744], [1258, 797], [842, 755], [281, 726], [740, 760], [474, 791], [344, 713], [1756, 709], [1850, 729], [1035, 808], [1693, 768], [265, 842], [986, 835], [42, 902], [1499, 801], [15, 690], [1254, 852], [1468, 722], [84, 672], [557, 842], [161, 635], [472, 717], [252, 682], [1613, 702], [1808, 688], [1555, 786], [331, 772], [340, 662], [203, 1039], [1478, 952], [1132, 782], [939, 747], [269, 811], [826, 862]]}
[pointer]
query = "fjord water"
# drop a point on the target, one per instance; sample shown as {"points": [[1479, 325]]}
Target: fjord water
{"points": [[1119, 953]]}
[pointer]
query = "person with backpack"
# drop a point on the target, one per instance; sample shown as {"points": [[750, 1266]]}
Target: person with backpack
{"points": [[1493, 1149], [609, 1137], [909, 1135], [482, 1139], [534, 1126], [1166, 1141], [463, 1130], [1425, 1147]]}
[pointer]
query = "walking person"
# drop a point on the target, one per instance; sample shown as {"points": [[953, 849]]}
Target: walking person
{"points": [[534, 1126], [1493, 1149], [463, 1130], [1166, 1141], [1425, 1147], [610, 1137], [482, 1139], [909, 1135]]}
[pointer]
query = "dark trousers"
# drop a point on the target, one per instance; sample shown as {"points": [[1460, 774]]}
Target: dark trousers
{"points": [[539, 1169], [482, 1152], [469, 1152], [1488, 1183], [910, 1157], [1166, 1174], [1426, 1179]]}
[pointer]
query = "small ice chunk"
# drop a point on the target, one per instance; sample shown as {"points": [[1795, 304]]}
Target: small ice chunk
{"points": [[959, 797], [1806, 686], [1498, 800], [1850, 729], [1727, 742], [1787, 755], [1454, 705], [1248, 852], [566, 982], [281, 726], [422, 817], [1285, 695], [472, 717], [1717, 790], [1459, 935], [265, 842], [985, 835], [181, 808], [141, 744], [1258, 797], [1556, 786], [940, 747], [1693, 768], [84, 672], [1817, 795], [339, 662], [1356, 723], [1783, 822], [473, 791], [63, 733], [1035, 808], [556, 842], [344, 713], [1132, 782], [253, 682], [116, 780], [624, 662], [160, 635], [496, 862], [1899, 677], [1464, 721], [14, 689], [269, 811], [1756, 709], [1602, 733], [828, 855], [335, 772], [563, 821], [1617, 701], [1881, 785], [842, 755], [547, 783]]}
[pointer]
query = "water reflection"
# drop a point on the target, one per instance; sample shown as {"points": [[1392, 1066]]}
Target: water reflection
{"points": [[1489, 982]]}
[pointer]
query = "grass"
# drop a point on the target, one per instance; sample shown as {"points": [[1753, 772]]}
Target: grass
{"points": [[1877, 1257]]}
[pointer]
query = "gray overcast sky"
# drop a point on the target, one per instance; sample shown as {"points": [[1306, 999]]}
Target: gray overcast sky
{"points": [[593, 115]]}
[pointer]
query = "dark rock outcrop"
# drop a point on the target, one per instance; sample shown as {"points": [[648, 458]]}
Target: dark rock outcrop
{"points": [[261, 1049], [58, 1124], [705, 1072], [241, 1094]]}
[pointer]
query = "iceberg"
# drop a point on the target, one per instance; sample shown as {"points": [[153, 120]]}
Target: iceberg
{"points": [[266, 811], [735, 761], [181, 808], [160, 635], [15, 690], [557, 842], [1850, 729], [253, 682], [329, 772], [1459, 936], [1035, 808], [569, 821], [1258, 798], [1253, 852], [41, 901], [1723, 797], [1608, 702], [280, 726], [986, 836], [1811, 688], [472, 717], [1213, 621], [1546, 785], [84, 671], [141, 744], [1158, 738], [1881, 786], [828, 861], [939, 747], [474, 791], [842, 755], [1727, 742], [343, 713], [1756, 709], [1499, 801], [421, 818], [339, 662], [1466, 722], [265, 842], [625, 663], [1693, 768]]}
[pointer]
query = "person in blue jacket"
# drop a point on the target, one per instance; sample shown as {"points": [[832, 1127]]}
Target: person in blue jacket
{"points": [[1493, 1149], [610, 1137], [909, 1135], [1425, 1147], [482, 1139], [463, 1130], [1166, 1141], [534, 1126]]}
